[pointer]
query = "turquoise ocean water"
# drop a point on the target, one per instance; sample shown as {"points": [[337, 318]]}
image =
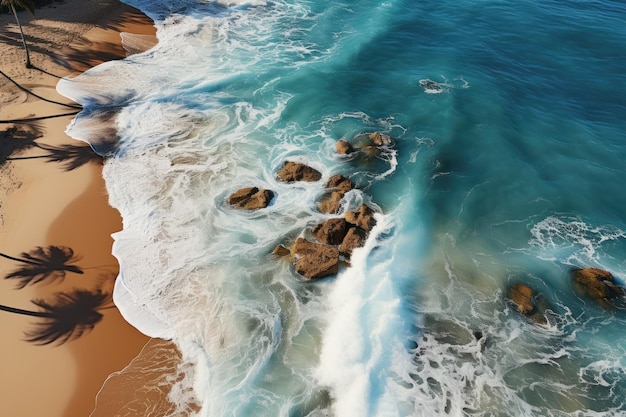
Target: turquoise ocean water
{"points": [[509, 166]]}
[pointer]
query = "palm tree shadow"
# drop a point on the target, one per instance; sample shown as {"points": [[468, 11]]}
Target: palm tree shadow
{"points": [[18, 139], [51, 263]]}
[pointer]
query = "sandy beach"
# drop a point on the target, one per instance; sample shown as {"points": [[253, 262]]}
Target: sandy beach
{"points": [[43, 203]]}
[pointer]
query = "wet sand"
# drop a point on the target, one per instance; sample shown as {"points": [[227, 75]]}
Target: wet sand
{"points": [[42, 204]]}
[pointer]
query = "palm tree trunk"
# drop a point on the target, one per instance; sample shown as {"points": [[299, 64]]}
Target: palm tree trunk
{"points": [[28, 64], [24, 312]]}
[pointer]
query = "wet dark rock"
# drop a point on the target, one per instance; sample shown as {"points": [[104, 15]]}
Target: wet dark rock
{"points": [[343, 147], [315, 260], [355, 238], [331, 232], [431, 87], [363, 217], [251, 198], [295, 171]]}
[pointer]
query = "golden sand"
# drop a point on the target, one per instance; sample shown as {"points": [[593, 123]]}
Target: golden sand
{"points": [[42, 204]]}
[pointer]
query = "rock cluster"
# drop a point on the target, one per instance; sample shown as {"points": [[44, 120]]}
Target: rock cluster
{"points": [[594, 283], [332, 241]]}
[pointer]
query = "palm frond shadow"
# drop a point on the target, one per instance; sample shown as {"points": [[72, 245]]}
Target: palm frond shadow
{"points": [[70, 316], [50, 263], [18, 139], [70, 156], [67, 317]]}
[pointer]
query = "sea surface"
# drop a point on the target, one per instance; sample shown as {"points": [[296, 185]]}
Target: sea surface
{"points": [[509, 165]]}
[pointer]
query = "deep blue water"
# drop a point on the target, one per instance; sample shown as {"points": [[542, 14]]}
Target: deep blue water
{"points": [[509, 169]]}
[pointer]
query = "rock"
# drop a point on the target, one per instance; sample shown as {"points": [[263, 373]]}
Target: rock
{"points": [[315, 260], [355, 238], [363, 218], [377, 139], [331, 232], [251, 198], [294, 171], [331, 203], [522, 297], [344, 148], [281, 251], [339, 183], [430, 86], [596, 283]]}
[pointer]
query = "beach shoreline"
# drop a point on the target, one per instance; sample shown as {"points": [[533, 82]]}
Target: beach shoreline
{"points": [[43, 203]]}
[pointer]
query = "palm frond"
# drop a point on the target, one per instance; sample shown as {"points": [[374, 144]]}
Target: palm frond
{"points": [[70, 316]]}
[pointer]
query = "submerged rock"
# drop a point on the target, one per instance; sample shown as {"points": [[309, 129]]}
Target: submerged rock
{"points": [[526, 301], [597, 284], [375, 139], [522, 298], [315, 260], [251, 198], [295, 171], [431, 87]]}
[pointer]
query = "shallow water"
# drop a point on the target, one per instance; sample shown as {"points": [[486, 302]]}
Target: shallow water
{"points": [[507, 167]]}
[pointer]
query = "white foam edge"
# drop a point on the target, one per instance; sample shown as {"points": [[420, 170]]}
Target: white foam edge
{"points": [[138, 315]]}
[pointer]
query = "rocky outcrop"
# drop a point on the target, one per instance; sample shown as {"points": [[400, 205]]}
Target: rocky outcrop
{"points": [[251, 198], [597, 284], [315, 260], [339, 186], [295, 171], [363, 217], [281, 251], [355, 238], [331, 232]]}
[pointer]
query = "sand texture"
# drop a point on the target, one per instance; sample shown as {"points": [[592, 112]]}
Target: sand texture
{"points": [[44, 202]]}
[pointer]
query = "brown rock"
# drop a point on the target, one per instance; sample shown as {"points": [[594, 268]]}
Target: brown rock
{"points": [[331, 203], [344, 148], [331, 232], [596, 283], [281, 251], [251, 198], [363, 217], [355, 238], [315, 260], [294, 171], [339, 183], [380, 139], [522, 297], [373, 139]]}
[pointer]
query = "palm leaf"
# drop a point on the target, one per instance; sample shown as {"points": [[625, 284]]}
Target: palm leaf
{"points": [[70, 315]]}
